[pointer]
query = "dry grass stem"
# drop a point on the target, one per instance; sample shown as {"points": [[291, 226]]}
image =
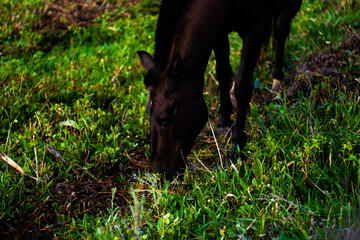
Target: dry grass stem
{"points": [[12, 163], [217, 145]]}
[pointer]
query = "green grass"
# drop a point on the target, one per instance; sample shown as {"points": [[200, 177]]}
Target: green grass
{"points": [[80, 89]]}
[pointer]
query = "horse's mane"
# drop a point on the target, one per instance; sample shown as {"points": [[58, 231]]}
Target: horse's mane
{"points": [[170, 11]]}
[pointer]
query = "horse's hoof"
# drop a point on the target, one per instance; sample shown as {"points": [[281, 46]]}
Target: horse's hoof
{"points": [[233, 155], [222, 127], [276, 86], [224, 123]]}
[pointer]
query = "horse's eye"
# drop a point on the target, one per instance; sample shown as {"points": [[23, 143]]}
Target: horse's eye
{"points": [[163, 121]]}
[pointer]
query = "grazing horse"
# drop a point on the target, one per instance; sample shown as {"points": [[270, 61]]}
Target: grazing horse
{"points": [[187, 31]]}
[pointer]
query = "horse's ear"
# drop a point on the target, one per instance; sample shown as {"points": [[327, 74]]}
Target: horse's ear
{"points": [[177, 64], [146, 60]]}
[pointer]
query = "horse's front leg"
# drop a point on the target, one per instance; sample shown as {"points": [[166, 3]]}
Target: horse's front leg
{"points": [[224, 75], [243, 88]]}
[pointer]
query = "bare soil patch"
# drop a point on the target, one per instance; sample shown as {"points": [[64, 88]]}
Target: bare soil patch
{"points": [[89, 194], [328, 67], [59, 15]]}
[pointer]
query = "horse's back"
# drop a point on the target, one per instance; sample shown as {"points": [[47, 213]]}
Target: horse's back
{"points": [[243, 15]]}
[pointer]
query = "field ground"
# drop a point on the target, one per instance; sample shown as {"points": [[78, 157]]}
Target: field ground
{"points": [[72, 116]]}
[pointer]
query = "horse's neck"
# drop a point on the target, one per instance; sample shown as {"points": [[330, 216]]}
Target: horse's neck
{"points": [[196, 34]]}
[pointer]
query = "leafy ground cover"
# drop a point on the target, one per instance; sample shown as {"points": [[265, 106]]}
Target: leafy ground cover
{"points": [[71, 82]]}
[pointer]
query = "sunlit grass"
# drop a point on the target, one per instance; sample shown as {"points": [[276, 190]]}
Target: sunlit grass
{"points": [[84, 93]]}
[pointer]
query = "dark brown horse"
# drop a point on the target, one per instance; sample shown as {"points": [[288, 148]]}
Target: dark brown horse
{"points": [[187, 31]]}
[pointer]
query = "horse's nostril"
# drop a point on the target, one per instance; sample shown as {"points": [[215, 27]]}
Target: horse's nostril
{"points": [[164, 120]]}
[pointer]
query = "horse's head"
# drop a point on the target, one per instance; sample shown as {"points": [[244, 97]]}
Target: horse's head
{"points": [[177, 113]]}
